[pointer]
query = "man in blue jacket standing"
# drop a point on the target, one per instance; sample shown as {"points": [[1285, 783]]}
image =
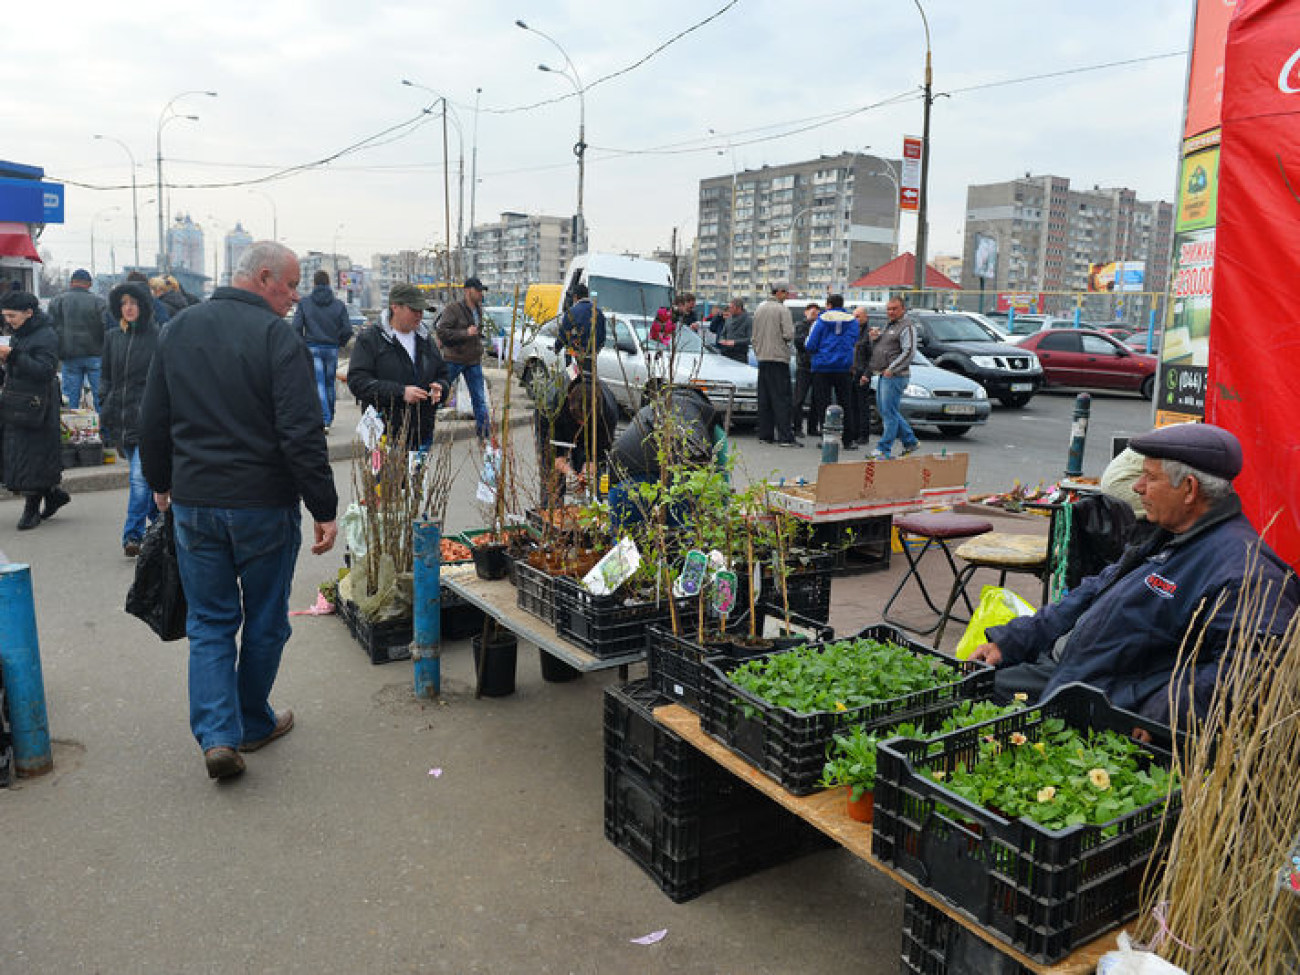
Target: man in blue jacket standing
{"points": [[830, 347], [230, 439], [1122, 629], [322, 320]]}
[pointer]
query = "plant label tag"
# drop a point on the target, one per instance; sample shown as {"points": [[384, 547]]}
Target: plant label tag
{"points": [[724, 592], [370, 428], [618, 565], [693, 571], [487, 479]]}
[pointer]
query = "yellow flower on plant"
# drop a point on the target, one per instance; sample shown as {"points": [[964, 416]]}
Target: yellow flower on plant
{"points": [[938, 775], [1100, 778], [839, 706], [1047, 793], [1040, 746], [1018, 739], [1020, 696]]}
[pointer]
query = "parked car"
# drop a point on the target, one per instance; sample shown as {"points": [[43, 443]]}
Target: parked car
{"points": [[1029, 324], [1083, 357], [962, 345], [1138, 341], [940, 398], [633, 366], [998, 326]]}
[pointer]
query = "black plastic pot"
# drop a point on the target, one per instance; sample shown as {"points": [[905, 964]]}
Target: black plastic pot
{"points": [[555, 670], [496, 668], [491, 561]]}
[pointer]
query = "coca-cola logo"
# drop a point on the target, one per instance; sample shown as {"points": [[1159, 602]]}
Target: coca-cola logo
{"points": [[1285, 82]]}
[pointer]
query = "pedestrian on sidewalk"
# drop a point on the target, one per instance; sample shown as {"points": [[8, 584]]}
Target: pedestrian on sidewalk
{"points": [[397, 369], [830, 345], [891, 359], [772, 333], [582, 331], [232, 458], [78, 319], [29, 409], [803, 374], [860, 390], [460, 335], [128, 352], [322, 321]]}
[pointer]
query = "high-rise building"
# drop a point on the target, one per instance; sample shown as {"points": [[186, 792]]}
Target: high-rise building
{"points": [[521, 249], [236, 242], [185, 245], [819, 224], [1049, 236]]}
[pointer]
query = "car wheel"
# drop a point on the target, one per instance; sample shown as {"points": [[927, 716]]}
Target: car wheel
{"points": [[1015, 400], [948, 430], [1148, 389]]}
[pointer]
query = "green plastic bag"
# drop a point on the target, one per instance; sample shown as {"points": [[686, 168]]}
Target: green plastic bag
{"points": [[997, 606]]}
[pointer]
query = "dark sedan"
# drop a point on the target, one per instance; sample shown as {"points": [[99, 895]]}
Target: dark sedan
{"points": [[1094, 360]]}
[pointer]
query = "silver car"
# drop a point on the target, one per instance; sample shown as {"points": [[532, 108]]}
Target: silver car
{"points": [[935, 397], [633, 365]]}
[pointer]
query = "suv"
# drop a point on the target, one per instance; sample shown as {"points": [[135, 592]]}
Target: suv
{"points": [[962, 345]]}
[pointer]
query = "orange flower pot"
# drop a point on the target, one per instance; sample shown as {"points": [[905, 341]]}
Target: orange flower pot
{"points": [[862, 810]]}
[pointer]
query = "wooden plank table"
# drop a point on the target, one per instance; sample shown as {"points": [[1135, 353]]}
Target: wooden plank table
{"points": [[497, 599], [826, 811]]}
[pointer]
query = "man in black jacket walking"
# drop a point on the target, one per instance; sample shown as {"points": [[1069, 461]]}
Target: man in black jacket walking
{"points": [[78, 318], [322, 321], [231, 440]]}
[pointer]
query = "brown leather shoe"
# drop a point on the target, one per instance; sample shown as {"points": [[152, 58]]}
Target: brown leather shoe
{"points": [[223, 762], [283, 725]]}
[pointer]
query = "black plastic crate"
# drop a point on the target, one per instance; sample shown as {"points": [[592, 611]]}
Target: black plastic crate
{"points": [[791, 748], [807, 586], [534, 591], [935, 944], [384, 641], [861, 545], [676, 663], [1044, 891], [603, 625]]}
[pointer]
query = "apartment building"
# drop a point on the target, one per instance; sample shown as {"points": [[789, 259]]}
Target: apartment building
{"points": [[520, 249], [819, 224], [1049, 234]]}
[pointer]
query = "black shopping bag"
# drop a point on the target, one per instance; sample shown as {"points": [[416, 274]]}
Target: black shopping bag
{"points": [[156, 595]]}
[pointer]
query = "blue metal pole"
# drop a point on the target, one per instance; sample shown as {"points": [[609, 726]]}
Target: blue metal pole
{"points": [[426, 650], [1151, 331], [1011, 320], [20, 658], [832, 433], [1078, 316], [1078, 435]]}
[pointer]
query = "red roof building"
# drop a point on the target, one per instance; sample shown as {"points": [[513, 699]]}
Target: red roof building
{"points": [[901, 273]]}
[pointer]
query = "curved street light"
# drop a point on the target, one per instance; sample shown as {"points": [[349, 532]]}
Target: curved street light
{"points": [[922, 233], [135, 203], [448, 113], [570, 74], [165, 116]]}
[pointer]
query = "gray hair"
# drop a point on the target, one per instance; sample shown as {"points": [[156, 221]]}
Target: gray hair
{"points": [[1213, 487], [263, 254]]}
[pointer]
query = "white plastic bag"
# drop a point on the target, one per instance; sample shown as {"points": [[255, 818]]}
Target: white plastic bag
{"points": [[463, 403], [1129, 961]]}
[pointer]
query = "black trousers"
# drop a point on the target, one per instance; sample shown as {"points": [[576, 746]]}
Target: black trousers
{"points": [[774, 401], [838, 386], [862, 397], [802, 389]]}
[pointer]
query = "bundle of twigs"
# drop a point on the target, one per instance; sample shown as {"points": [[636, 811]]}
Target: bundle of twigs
{"points": [[1215, 907]]}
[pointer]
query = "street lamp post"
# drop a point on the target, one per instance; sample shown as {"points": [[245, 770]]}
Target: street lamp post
{"points": [[731, 215], [275, 214], [92, 235], [165, 116], [580, 147], [135, 204], [922, 203], [337, 230], [473, 180]]}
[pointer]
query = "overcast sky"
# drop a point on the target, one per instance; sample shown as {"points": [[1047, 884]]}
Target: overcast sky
{"points": [[300, 80]]}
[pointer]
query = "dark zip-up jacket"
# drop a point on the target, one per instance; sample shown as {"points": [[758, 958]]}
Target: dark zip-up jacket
{"points": [[1125, 625], [124, 371], [230, 417], [31, 457], [380, 370], [77, 316], [453, 333], [322, 319]]}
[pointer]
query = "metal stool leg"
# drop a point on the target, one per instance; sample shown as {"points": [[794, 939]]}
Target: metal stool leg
{"points": [[913, 570], [958, 586]]}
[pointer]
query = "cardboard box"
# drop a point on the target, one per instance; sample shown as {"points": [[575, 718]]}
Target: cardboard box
{"points": [[870, 480], [947, 471]]}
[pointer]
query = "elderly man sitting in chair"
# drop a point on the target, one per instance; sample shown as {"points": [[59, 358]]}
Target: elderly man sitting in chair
{"points": [[1121, 629]]}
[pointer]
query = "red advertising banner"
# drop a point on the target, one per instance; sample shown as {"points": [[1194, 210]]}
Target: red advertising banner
{"points": [[1253, 385], [1023, 303], [1205, 78], [909, 183]]}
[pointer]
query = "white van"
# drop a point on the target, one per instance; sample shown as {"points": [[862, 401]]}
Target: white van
{"points": [[626, 285]]}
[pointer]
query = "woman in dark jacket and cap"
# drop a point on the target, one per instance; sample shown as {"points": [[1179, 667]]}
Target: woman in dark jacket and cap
{"points": [[29, 409], [128, 350]]}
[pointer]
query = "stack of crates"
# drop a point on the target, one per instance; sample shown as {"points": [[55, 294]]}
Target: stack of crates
{"points": [[681, 817]]}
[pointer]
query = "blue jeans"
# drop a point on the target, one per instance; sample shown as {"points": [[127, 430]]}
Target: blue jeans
{"points": [[889, 392], [474, 380], [326, 360], [76, 371], [140, 508], [236, 566]]}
